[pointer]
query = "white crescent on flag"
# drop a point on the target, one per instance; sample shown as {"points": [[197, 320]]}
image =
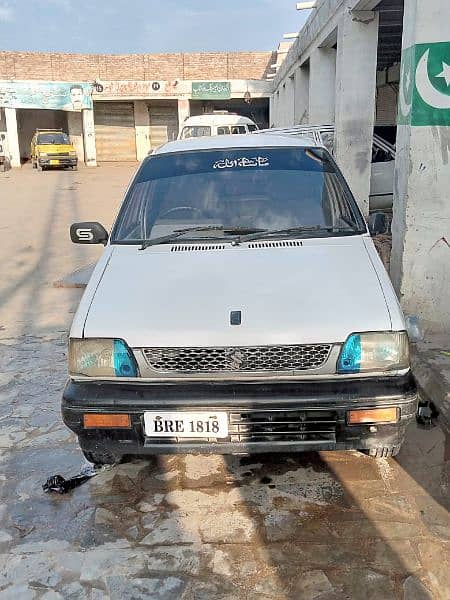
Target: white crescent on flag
{"points": [[426, 89]]}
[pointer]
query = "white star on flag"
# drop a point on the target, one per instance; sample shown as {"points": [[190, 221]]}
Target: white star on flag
{"points": [[445, 73]]}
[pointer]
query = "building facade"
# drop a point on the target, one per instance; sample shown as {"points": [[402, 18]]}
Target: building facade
{"points": [[131, 103]]}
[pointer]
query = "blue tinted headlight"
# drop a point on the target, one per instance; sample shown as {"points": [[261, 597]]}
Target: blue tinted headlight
{"points": [[350, 358], [374, 352], [124, 362]]}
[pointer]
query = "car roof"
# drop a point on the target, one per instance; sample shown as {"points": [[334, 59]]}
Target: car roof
{"points": [[217, 119], [248, 140]]}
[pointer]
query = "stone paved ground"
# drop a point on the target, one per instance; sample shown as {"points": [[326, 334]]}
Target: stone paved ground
{"points": [[325, 526]]}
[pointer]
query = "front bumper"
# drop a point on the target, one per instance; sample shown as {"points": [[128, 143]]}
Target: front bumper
{"points": [[63, 161], [258, 413]]}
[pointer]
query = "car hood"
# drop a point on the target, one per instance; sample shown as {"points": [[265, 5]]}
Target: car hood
{"points": [[317, 292]]}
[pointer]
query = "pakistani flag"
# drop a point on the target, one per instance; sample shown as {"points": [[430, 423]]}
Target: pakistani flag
{"points": [[424, 92]]}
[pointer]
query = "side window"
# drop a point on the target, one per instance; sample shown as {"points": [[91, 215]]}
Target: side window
{"points": [[224, 130], [252, 128], [236, 129]]}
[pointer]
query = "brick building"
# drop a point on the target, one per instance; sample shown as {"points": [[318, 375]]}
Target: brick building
{"points": [[132, 103]]}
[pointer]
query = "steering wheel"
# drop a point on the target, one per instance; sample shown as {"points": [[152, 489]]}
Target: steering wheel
{"points": [[178, 208]]}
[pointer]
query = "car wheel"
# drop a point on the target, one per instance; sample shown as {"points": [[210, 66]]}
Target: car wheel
{"points": [[101, 457], [383, 452]]}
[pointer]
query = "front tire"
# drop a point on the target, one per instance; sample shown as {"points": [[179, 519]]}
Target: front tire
{"points": [[99, 458]]}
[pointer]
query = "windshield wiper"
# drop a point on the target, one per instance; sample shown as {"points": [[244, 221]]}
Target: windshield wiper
{"points": [[289, 231], [179, 232]]}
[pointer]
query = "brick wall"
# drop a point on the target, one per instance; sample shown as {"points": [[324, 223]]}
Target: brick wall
{"points": [[87, 67]]}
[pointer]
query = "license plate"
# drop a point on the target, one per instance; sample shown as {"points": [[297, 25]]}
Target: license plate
{"points": [[186, 424], [54, 162]]}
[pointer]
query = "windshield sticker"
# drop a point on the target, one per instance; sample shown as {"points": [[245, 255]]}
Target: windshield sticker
{"points": [[243, 161]]}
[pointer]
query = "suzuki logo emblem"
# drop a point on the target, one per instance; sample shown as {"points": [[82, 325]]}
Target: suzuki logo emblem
{"points": [[236, 358]]}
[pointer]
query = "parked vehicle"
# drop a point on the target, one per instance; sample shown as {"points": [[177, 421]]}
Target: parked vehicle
{"points": [[52, 148], [383, 160], [217, 123], [239, 306], [4, 158]]}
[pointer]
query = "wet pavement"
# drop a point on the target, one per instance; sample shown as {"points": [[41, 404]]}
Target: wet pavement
{"points": [[314, 525]]}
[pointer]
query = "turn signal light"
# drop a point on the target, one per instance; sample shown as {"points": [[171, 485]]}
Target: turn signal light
{"points": [[99, 421], [372, 415]]}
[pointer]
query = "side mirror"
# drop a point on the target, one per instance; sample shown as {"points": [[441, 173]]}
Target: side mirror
{"points": [[89, 232], [2, 136], [377, 223]]}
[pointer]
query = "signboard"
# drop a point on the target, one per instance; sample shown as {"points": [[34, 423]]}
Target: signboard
{"points": [[46, 94], [137, 89], [211, 90], [424, 90]]}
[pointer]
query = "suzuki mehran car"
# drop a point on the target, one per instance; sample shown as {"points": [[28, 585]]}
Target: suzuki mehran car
{"points": [[52, 148], [239, 306]]}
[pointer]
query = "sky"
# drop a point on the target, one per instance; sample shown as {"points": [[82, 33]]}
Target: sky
{"points": [[146, 26]]}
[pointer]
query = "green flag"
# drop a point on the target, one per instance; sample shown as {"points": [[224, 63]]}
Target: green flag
{"points": [[424, 91]]}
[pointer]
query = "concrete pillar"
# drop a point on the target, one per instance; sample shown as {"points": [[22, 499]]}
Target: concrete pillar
{"points": [[356, 71], [75, 125], [290, 101], [301, 98], [322, 84], [275, 108], [13, 136], [420, 262], [142, 128], [184, 111], [90, 151]]}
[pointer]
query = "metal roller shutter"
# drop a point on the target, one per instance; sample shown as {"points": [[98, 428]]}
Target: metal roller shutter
{"points": [[114, 131], [387, 98], [163, 123]]}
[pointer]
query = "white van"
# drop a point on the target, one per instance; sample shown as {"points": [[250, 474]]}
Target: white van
{"points": [[239, 306], [217, 123]]}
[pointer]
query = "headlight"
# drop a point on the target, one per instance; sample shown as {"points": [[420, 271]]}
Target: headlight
{"points": [[42, 153], [72, 153], [365, 352], [101, 358]]}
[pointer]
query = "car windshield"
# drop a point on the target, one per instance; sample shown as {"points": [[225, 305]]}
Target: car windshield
{"points": [[53, 138], [195, 131], [219, 191]]}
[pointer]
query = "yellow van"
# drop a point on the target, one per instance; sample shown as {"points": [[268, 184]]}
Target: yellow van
{"points": [[52, 148]]}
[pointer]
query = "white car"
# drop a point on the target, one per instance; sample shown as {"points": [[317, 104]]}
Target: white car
{"points": [[216, 123], [239, 306], [383, 160]]}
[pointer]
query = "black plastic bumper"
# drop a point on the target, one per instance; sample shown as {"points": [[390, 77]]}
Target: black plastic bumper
{"points": [[63, 161], [301, 399]]}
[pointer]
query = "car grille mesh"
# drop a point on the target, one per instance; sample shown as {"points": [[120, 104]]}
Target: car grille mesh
{"points": [[273, 426], [237, 359]]}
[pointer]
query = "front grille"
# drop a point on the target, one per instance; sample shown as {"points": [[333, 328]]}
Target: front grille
{"points": [[58, 155], [237, 359], [283, 425]]}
